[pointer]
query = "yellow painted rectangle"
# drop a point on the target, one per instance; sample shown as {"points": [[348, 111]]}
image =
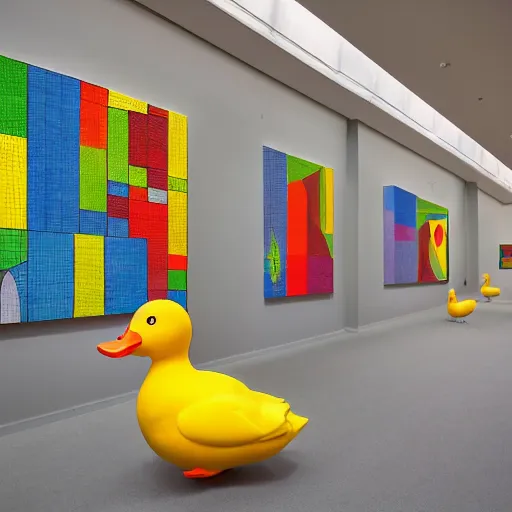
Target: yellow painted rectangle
{"points": [[118, 100], [89, 275], [178, 146], [13, 182], [177, 202], [329, 201]]}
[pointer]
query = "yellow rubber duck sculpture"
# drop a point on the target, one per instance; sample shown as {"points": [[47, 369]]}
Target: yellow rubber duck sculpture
{"points": [[458, 310], [201, 421], [489, 291]]}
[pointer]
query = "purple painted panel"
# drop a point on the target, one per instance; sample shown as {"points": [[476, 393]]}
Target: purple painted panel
{"points": [[389, 247], [406, 262], [405, 233], [320, 274]]}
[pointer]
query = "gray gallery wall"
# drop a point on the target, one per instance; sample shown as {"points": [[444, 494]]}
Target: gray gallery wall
{"points": [[384, 162], [233, 111], [494, 228]]}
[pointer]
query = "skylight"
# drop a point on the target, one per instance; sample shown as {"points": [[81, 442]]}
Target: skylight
{"points": [[292, 27]]}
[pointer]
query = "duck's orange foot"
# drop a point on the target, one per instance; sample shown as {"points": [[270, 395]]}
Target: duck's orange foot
{"points": [[201, 473]]}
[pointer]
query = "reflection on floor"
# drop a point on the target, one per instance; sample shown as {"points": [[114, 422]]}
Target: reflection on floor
{"points": [[415, 415]]}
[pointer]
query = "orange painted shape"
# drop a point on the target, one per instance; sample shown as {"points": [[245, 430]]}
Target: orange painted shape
{"points": [[138, 193], [175, 262], [93, 125], [93, 93], [297, 259], [297, 219]]}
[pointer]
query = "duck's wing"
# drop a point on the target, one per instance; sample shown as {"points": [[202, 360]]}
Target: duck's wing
{"points": [[258, 395], [232, 420]]}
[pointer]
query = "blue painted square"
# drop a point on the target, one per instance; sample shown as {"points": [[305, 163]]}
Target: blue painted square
{"points": [[405, 207], [126, 274], [179, 296], [406, 262], [118, 227], [275, 217], [93, 223], [50, 275], [389, 198], [117, 189], [53, 151]]}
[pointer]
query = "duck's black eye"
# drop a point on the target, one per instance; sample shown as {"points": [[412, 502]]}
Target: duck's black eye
{"points": [[151, 320]]}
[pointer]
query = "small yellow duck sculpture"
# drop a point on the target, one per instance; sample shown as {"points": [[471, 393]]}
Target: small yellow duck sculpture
{"points": [[201, 421], [488, 291], [458, 310]]}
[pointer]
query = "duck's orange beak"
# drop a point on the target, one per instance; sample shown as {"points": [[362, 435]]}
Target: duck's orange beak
{"points": [[123, 346]]}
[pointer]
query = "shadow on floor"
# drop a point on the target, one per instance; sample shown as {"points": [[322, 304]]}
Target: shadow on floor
{"points": [[170, 480]]}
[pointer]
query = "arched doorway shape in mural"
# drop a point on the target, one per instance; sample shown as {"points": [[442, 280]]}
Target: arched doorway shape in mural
{"points": [[9, 299]]}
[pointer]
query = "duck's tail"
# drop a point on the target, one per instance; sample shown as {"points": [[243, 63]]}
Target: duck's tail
{"points": [[297, 422]]}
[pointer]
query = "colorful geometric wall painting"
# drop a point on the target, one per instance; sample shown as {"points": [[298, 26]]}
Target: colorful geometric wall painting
{"points": [[299, 226], [93, 198], [415, 239], [505, 256]]}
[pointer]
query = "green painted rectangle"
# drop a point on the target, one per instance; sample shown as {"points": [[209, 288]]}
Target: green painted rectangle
{"points": [[138, 176], [13, 97], [117, 145], [298, 169], [329, 240], [177, 279], [178, 184], [13, 247], [93, 179], [426, 208]]}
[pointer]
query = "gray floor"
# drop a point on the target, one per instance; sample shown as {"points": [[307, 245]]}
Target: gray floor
{"points": [[410, 417]]}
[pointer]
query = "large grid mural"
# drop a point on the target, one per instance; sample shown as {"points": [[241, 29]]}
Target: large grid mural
{"points": [[93, 198]]}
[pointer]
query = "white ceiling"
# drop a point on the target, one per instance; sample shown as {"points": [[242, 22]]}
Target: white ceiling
{"points": [[410, 38], [206, 21]]}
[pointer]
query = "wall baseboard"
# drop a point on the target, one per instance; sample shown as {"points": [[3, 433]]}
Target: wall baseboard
{"points": [[272, 352], [284, 349], [52, 417]]}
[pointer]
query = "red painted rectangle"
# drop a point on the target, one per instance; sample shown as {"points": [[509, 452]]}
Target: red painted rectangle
{"points": [[157, 225], [94, 94], [157, 263], [157, 294], [148, 220], [158, 246], [93, 125], [138, 193], [176, 262], [137, 139], [157, 142], [158, 111], [139, 219], [296, 275], [117, 207], [157, 178]]}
